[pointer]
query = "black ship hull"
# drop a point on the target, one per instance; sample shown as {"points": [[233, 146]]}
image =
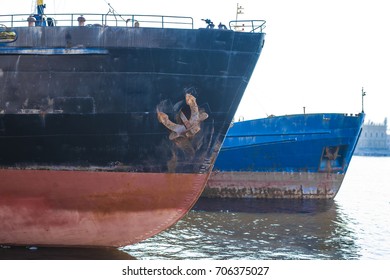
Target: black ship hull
{"points": [[109, 134], [76, 103]]}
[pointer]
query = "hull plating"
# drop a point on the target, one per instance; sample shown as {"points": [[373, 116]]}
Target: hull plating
{"points": [[99, 144], [299, 156], [73, 208]]}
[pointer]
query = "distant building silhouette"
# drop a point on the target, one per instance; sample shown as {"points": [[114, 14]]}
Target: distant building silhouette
{"points": [[374, 140]]}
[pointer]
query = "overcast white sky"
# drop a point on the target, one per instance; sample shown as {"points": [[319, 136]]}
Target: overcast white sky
{"points": [[318, 53]]}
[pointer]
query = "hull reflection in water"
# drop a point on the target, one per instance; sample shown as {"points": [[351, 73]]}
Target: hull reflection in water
{"points": [[269, 230], [50, 253], [250, 205]]}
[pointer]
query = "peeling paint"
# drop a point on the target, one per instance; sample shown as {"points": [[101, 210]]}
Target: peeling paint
{"points": [[269, 185], [53, 51]]}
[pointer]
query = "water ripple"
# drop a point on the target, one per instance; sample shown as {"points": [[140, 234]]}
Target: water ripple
{"points": [[354, 226]]}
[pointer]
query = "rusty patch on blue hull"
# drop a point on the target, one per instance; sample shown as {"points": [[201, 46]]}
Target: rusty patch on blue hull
{"points": [[273, 185]]}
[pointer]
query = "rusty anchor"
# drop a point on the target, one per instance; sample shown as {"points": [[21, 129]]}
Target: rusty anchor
{"points": [[331, 153], [189, 127]]}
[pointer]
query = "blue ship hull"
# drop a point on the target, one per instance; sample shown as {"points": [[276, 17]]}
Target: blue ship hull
{"points": [[294, 156]]}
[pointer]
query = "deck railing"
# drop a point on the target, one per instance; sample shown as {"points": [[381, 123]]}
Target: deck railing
{"points": [[100, 20], [247, 25], [128, 20]]}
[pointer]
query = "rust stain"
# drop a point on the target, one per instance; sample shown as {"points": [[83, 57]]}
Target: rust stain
{"points": [[273, 185]]}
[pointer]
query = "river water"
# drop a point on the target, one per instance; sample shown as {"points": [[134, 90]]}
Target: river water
{"points": [[355, 226]]}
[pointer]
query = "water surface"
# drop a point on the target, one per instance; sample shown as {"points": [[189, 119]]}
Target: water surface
{"points": [[356, 225]]}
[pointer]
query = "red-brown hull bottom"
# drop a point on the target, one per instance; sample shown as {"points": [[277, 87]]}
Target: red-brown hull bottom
{"points": [[296, 185], [75, 208]]}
